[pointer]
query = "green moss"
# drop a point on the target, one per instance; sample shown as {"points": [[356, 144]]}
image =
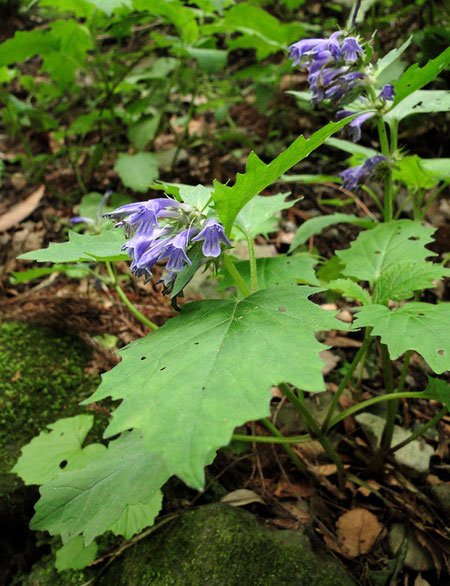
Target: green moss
{"points": [[217, 545]]}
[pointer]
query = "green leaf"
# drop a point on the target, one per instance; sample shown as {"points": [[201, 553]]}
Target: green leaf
{"points": [[91, 202], [74, 556], [91, 499], [304, 178], [277, 270], [419, 102], [140, 133], [440, 168], [137, 171], [197, 196], [72, 271], [400, 280], [415, 77], [41, 458], [210, 60], [414, 326], [211, 368], [316, 225], [230, 200], [351, 147], [135, 518], [109, 6], [386, 246], [410, 171], [258, 216], [439, 390], [349, 288], [391, 57], [82, 247]]}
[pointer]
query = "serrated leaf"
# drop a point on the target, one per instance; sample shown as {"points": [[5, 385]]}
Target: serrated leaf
{"points": [[197, 196], [258, 215], [82, 247], [440, 168], [411, 172], [316, 225], [137, 171], [41, 458], [399, 281], [211, 369], [91, 499], [135, 518], [72, 271], [391, 57], [385, 246], [230, 200], [415, 77], [349, 288], [439, 390], [277, 270], [74, 556], [414, 326], [351, 147], [419, 102]]}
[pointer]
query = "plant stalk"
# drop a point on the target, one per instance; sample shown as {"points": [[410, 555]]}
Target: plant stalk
{"points": [[236, 275]]}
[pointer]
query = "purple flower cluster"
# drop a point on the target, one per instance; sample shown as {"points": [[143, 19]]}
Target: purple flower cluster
{"points": [[150, 242], [353, 176], [332, 65]]}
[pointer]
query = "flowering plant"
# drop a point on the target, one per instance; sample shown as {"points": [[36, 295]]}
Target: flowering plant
{"points": [[185, 387]]}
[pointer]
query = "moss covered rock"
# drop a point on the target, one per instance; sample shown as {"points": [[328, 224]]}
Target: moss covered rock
{"points": [[42, 378], [216, 545]]}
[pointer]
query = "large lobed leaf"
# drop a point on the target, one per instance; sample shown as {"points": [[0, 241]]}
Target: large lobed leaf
{"points": [[211, 368], [392, 256], [230, 200], [415, 326]]}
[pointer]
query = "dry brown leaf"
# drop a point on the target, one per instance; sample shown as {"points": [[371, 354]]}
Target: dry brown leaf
{"points": [[327, 469], [22, 210], [241, 497], [341, 341], [285, 489], [357, 530], [419, 581], [331, 361], [299, 510], [366, 491]]}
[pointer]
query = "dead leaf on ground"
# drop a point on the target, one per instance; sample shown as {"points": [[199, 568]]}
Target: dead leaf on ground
{"points": [[366, 491], [285, 489], [331, 361], [357, 531], [299, 510], [241, 497], [22, 210]]}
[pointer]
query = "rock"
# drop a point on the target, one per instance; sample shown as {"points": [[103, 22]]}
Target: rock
{"points": [[42, 379], [216, 545], [414, 457], [417, 558]]}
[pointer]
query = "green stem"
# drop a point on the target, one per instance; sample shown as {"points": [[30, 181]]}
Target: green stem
{"points": [[315, 431], [420, 431], [133, 310], [394, 135], [344, 381], [373, 401], [270, 439], [287, 448], [253, 267], [236, 275], [384, 144]]}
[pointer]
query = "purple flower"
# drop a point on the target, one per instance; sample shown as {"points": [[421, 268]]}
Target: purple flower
{"points": [[81, 219], [387, 93], [141, 215], [353, 176], [175, 250], [213, 233], [354, 128], [350, 49]]}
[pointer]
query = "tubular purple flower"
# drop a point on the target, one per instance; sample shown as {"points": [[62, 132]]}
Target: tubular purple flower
{"points": [[350, 49], [81, 220], [354, 128], [353, 176], [175, 250], [142, 215], [212, 234], [387, 93]]}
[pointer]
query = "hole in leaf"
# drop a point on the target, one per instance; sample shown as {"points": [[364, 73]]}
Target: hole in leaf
{"points": [[441, 352], [163, 368], [282, 309], [196, 343], [63, 464], [413, 238], [377, 251], [143, 357], [421, 314]]}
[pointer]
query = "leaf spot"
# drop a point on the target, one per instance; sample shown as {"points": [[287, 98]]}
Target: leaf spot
{"points": [[281, 308], [441, 352], [413, 238], [143, 357], [196, 343], [63, 464], [420, 314], [163, 368], [377, 251]]}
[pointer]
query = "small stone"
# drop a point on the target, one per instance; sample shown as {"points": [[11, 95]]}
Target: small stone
{"points": [[417, 558]]}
